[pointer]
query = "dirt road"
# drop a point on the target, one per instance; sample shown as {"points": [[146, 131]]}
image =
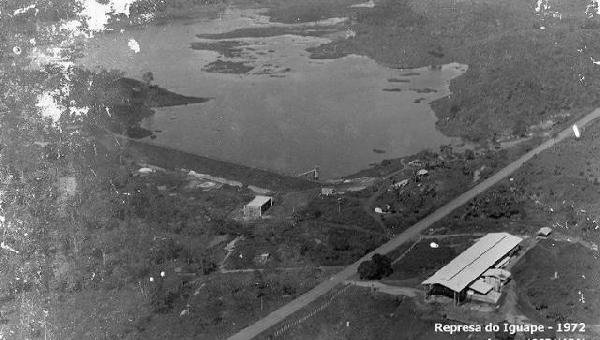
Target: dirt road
{"points": [[280, 314]]}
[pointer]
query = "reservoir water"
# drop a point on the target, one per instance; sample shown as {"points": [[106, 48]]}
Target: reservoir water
{"points": [[282, 110]]}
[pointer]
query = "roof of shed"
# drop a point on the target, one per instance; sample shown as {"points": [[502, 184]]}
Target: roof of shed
{"points": [[259, 201], [473, 262]]}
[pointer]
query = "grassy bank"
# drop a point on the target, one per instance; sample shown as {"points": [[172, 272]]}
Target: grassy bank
{"points": [[173, 159]]}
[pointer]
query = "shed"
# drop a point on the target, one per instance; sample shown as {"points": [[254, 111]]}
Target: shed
{"points": [[327, 191], [544, 231], [145, 170], [400, 184], [471, 264], [422, 172], [491, 297], [257, 206], [498, 273], [481, 287], [262, 258], [416, 163]]}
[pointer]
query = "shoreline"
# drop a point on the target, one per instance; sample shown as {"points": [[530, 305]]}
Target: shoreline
{"points": [[239, 67], [170, 158], [450, 121]]}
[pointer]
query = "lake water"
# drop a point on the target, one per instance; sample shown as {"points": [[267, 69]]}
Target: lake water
{"points": [[290, 112]]}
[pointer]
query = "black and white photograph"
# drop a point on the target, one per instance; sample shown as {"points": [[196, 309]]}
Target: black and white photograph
{"points": [[300, 169]]}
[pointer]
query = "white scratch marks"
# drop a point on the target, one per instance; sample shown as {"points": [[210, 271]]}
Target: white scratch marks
{"points": [[368, 4], [79, 111], [576, 131], [24, 10], [71, 25], [593, 8], [542, 5], [47, 56], [48, 105], [133, 45], [98, 14], [7, 247]]}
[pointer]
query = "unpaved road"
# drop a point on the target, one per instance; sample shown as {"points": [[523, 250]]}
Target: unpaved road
{"points": [[280, 314]]}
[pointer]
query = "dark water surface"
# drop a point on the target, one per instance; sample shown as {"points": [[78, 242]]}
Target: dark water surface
{"points": [[287, 112]]}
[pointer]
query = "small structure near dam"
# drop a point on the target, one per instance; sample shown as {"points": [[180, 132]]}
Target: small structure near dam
{"points": [[312, 174], [257, 207], [478, 273]]}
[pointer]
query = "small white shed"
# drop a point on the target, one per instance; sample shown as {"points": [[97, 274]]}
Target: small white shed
{"points": [[327, 191], [257, 206], [422, 172], [544, 231]]}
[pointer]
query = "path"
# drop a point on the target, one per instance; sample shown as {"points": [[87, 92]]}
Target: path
{"points": [[385, 288], [406, 251], [302, 301], [441, 236], [370, 203]]}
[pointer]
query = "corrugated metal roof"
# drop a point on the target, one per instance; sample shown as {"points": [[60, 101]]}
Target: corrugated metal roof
{"points": [[259, 201], [481, 287], [497, 273], [471, 263]]}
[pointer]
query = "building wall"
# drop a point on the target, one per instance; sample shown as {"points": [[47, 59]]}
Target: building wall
{"points": [[252, 212], [266, 206]]}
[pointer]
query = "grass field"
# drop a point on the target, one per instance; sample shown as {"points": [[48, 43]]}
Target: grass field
{"points": [[422, 260], [359, 314], [558, 282]]}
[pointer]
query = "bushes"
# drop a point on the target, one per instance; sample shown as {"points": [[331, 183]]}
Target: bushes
{"points": [[500, 203], [164, 251], [164, 293], [378, 267], [520, 128], [345, 211], [339, 241]]}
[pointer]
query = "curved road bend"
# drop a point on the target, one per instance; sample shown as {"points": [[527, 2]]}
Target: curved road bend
{"points": [[280, 314]]}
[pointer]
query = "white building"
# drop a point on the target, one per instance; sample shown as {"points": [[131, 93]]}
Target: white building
{"points": [[327, 191], [257, 206], [477, 272], [544, 231]]}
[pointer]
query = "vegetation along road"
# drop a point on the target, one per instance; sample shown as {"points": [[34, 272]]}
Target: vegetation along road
{"points": [[280, 314]]}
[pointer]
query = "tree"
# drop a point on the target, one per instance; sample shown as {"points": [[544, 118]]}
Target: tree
{"points": [[446, 151], [148, 77], [469, 154], [378, 267], [520, 128]]}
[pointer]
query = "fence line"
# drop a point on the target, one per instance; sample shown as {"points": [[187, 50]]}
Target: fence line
{"points": [[407, 251], [280, 331]]}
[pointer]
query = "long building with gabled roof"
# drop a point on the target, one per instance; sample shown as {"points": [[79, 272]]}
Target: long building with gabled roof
{"points": [[468, 268]]}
